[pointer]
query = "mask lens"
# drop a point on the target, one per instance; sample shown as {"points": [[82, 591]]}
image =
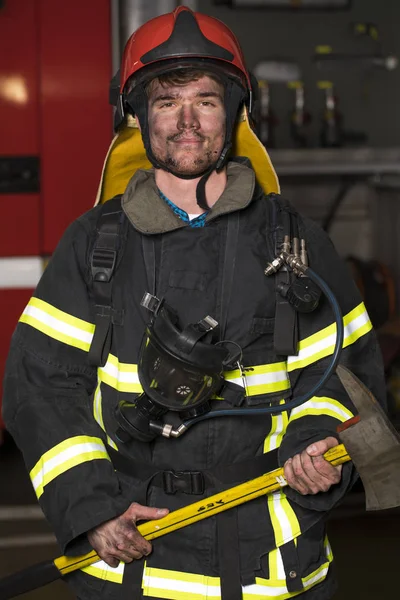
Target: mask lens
{"points": [[172, 383]]}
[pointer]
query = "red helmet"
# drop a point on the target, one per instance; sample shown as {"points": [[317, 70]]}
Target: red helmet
{"points": [[183, 35], [180, 40]]}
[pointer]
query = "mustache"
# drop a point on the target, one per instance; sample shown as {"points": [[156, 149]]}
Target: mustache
{"points": [[181, 136]]}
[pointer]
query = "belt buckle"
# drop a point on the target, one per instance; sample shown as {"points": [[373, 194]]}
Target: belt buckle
{"points": [[188, 482]]}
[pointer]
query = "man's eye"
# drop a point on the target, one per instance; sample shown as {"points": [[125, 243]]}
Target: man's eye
{"points": [[167, 105], [207, 103]]}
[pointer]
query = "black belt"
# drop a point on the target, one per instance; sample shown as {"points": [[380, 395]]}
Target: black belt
{"points": [[195, 482]]}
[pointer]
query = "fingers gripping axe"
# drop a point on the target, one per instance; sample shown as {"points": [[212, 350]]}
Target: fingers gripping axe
{"points": [[369, 440]]}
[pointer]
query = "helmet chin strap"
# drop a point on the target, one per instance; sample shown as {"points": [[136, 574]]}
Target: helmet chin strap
{"points": [[201, 190], [218, 166]]}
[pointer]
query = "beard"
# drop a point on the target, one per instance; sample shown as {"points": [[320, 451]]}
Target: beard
{"points": [[189, 164]]}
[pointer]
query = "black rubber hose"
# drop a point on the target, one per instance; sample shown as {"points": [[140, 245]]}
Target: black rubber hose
{"points": [[301, 399]]}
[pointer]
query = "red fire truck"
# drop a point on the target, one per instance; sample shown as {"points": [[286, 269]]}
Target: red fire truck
{"points": [[55, 128]]}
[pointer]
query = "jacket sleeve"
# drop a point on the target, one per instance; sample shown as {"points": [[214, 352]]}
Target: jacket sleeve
{"points": [[48, 399], [320, 416]]}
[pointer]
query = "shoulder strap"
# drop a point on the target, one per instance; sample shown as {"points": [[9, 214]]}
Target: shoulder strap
{"points": [[103, 261], [286, 326], [228, 271]]}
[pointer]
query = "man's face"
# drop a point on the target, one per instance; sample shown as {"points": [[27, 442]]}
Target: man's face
{"points": [[187, 124]]}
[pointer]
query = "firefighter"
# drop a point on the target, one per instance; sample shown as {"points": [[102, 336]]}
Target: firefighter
{"points": [[153, 314]]}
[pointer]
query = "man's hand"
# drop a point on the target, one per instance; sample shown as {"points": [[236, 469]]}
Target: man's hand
{"points": [[309, 472], [119, 539]]}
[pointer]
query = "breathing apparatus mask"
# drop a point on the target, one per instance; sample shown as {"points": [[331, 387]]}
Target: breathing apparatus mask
{"points": [[179, 370]]}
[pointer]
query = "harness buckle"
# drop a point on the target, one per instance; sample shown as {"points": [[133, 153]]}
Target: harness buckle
{"points": [[188, 482], [103, 263]]}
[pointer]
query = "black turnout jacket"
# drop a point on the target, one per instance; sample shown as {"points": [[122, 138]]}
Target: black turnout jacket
{"points": [[61, 410]]}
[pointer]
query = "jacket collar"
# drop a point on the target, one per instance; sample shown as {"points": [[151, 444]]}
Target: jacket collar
{"points": [[149, 214]]}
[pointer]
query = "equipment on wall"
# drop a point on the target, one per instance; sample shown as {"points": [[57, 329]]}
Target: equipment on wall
{"points": [[299, 117], [266, 117], [277, 70], [331, 133], [269, 73], [325, 58], [328, 61], [356, 61]]}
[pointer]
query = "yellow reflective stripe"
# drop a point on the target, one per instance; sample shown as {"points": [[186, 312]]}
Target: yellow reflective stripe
{"points": [[328, 549], [120, 376], [359, 311], [66, 455], [97, 408], [98, 414], [176, 585], [315, 577], [57, 324], [276, 568], [279, 425], [321, 344], [102, 570], [283, 518], [260, 379], [163, 583], [283, 523], [322, 406]]}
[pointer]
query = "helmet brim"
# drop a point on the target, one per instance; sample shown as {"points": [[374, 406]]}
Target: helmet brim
{"points": [[220, 68]]}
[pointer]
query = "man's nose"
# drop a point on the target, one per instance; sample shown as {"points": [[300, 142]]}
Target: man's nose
{"points": [[188, 118]]}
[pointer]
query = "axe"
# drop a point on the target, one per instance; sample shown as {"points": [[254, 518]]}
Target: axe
{"points": [[372, 443], [369, 440]]}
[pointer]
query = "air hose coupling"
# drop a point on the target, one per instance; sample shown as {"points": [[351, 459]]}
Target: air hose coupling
{"points": [[275, 265], [294, 262]]}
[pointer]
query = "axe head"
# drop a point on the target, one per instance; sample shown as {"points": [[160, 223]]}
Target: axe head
{"points": [[373, 445]]}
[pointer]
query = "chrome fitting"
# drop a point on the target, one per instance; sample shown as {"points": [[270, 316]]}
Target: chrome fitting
{"points": [[303, 253], [169, 431], [275, 265], [296, 247], [178, 432], [166, 431], [294, 263]]}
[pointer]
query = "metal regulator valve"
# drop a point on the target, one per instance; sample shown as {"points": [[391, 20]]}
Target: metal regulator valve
{"points": [[302, 293]]}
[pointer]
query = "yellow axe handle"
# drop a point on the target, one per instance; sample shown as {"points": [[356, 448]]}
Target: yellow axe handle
{"points": [[265, 484]]}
